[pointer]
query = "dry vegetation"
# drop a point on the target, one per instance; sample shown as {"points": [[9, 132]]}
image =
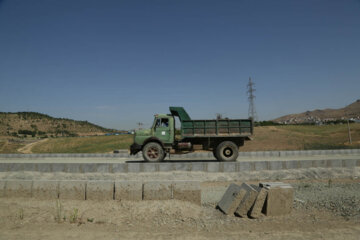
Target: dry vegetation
{"points": [[13, 124], [295, 137], [95, 144], [299, 137]]}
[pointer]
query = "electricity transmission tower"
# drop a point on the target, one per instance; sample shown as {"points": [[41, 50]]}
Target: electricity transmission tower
{"points": [[250, 92], [140, 125]]}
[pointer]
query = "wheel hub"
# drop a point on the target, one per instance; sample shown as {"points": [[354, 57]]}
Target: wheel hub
{"points": [[153, 153], [228, 152]]}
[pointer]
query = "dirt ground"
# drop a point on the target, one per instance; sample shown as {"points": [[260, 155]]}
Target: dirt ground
{"points": [[322, 210]]}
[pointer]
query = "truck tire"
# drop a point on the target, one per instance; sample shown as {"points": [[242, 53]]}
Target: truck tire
{"points": [[227, 151], [153, 152]]}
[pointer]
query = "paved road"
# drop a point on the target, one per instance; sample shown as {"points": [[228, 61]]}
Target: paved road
{"points": [[173, 159]]}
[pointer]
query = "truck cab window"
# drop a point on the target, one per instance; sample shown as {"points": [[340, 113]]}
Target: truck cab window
{"points": [[164, 122]]}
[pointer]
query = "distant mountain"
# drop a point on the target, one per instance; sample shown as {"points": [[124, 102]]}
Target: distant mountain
{"points": [[351, 111], [38, 124]]}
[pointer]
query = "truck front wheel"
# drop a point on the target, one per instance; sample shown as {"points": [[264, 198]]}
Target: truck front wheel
{"points": [[153, 152], [227, 151]]}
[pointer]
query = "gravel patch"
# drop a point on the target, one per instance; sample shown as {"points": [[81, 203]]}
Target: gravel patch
{"points": [[343, 199]]}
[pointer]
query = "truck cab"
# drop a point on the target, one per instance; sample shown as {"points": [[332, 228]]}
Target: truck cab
{"points": [[162, 132]]}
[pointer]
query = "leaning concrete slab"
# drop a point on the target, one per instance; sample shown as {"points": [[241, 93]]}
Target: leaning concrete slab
{"points": [[128, 190], [100, 190], [279, 200], [72, 189], [231, 199], [256, 210], [187, 191], [248, 200], [157, 191], [18, 188], [45, 189]]}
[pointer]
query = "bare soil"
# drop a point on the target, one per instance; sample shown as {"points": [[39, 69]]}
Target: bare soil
{"points": [[322, 210]]}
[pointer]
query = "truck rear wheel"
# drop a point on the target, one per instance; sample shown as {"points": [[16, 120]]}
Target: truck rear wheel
{"points": [[227, 151], [153, 152]]}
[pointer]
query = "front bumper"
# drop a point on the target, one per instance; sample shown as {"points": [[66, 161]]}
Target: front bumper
{"points": [[135, 148]]}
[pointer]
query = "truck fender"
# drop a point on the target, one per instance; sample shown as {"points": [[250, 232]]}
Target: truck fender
{"points": [[153, 139]]}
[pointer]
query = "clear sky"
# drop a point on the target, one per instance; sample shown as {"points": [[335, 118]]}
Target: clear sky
{"points": [[115, 63]]}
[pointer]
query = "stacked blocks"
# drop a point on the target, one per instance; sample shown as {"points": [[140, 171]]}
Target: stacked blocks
{"points": [[269, 198]]}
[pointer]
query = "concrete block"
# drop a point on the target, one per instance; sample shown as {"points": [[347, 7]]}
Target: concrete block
{"points": [[16, 167], [18, 188], [89, 167], [45, 167], [293, 164], [157, 191], [256, 210], [59, 167], [129, 190], [261, 165], [187, 191], [2, 188], [73, 168], [133, 167], [230, 166], [279, 200], [100, 190], [198, 166], [43, 189], [276, 165], [119, 168], [245, 166], [103, 167], [180, 166], [72, 189], [29, 167], [231, 199], [305, 163], [151, 167], [248, 200], [213, 166], [165, 167], [3, 167], [336, 163]]}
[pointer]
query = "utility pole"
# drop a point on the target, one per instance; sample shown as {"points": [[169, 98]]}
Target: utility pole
{"points": [[349, 132], [250, 92], [140, 125]]}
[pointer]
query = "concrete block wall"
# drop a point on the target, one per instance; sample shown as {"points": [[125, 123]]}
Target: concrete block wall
{"points": [[209, 166], [102, 190], [194, 155]]}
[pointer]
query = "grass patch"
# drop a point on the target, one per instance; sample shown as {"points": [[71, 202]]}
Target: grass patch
{"points": [[7, 146], [95, 144]]}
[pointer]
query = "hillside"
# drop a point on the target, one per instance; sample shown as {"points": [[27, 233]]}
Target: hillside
{"points": [[38, 124], [351, 111]]}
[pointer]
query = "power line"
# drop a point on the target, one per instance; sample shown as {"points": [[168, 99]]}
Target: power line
{"points": [[250, 92]]}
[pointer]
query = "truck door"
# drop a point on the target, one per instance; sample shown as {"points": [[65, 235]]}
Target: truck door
{"points": [[163, 129]]}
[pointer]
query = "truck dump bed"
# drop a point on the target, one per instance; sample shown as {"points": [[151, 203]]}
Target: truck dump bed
{"points": [[217, 128]]}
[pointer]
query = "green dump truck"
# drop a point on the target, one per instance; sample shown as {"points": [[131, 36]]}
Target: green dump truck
{"points": [[221, 136]]}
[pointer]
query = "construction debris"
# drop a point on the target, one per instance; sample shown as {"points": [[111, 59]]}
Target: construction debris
{"points": [[269, 198]]}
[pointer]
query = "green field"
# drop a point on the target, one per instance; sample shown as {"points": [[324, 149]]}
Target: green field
{"points": [[294, 137], [96, 144]]}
